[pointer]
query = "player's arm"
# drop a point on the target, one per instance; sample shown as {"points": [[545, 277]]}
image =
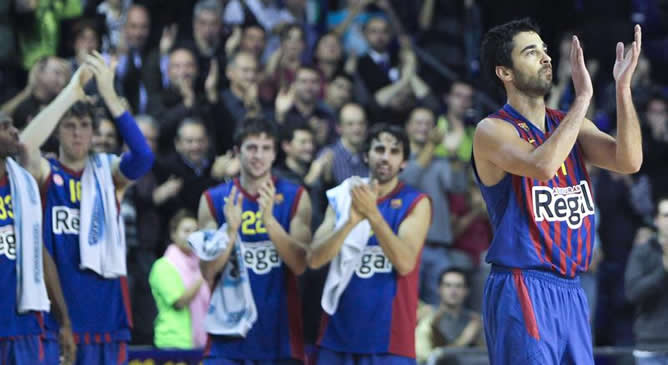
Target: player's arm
{"points": [[138, 160], [206, 220], [327, 241], [290, 247], [624, 153], [59, 306], [42, 126], [403, 249], [495, 142]]}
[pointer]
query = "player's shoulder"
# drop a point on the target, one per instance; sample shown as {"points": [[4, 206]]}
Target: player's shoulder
{"points": [[221, 189], [555, 114], [286, 186]]}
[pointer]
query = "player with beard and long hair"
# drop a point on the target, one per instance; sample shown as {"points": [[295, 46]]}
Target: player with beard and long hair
{"points": [[530, 165], [374, 320]]}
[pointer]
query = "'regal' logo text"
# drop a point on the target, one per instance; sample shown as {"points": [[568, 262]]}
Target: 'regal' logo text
{"points": [[570, 204]]}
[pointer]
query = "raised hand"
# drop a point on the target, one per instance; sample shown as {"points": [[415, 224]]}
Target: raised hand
{"points": [[168, 38], [625, 65], [76, 85], [284, 101], [104, 75], [232, 211], [266, 200], [225, 165], [365, 198], [211, 82], [579, 72], [170, 188]]}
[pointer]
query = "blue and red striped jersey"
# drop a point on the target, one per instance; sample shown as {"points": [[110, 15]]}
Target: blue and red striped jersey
{"points": [[277, 333], [11, 322], [377, 311], [99, 308], [547, 225]]}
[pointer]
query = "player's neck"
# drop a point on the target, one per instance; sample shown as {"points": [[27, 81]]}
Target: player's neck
{"points": [[388, 187], [451, 310], [532, 108], [3, 167], [252, 185], [661, 238], [72, 163]]}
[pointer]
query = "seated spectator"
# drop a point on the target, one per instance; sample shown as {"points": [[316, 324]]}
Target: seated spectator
{"points": [[47, 78], [302, 104], [249, 38], [242, 95], [86, 39], [180, 292], [180, 99], [348, 160], [645, 283], [329, 57], [205, 42], [188, 169], [438, 178], [268, 13], [457, 122], [450, 324], [339, 92], [283, 64], [106, 138], [348, 24]]}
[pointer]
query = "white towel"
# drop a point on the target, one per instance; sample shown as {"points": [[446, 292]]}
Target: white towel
{"points": [[27, 208], [102, 233], [343, 266], [232, 310]]}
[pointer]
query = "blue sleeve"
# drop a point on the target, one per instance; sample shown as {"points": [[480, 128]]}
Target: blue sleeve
{"points": [[139, 159]]}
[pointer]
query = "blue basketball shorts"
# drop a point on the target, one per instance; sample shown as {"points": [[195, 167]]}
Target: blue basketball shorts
{"points": [[328, 357], [106, 353], [536, 317], [22, 350]]}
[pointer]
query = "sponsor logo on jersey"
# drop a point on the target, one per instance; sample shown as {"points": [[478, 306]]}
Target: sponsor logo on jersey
{"points": [[396, 203], [373, 261], [569, 204], [8, 242], [65, 220], [261, 257]]}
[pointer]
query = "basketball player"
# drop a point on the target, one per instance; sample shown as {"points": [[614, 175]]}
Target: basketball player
{"points": [[272, 217], [374, 322], [530, 165], [20, 330], [98, 305]]}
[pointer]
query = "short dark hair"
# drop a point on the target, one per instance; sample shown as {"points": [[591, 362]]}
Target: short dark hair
{"points": [[343, 75], [287, 134], [458, 270], [176, 219], [285, 32], [309, 67], [395, 131], [80, 26], [374, 18], [497, 46], [81, 109], [253, 126], [189, 121]]}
